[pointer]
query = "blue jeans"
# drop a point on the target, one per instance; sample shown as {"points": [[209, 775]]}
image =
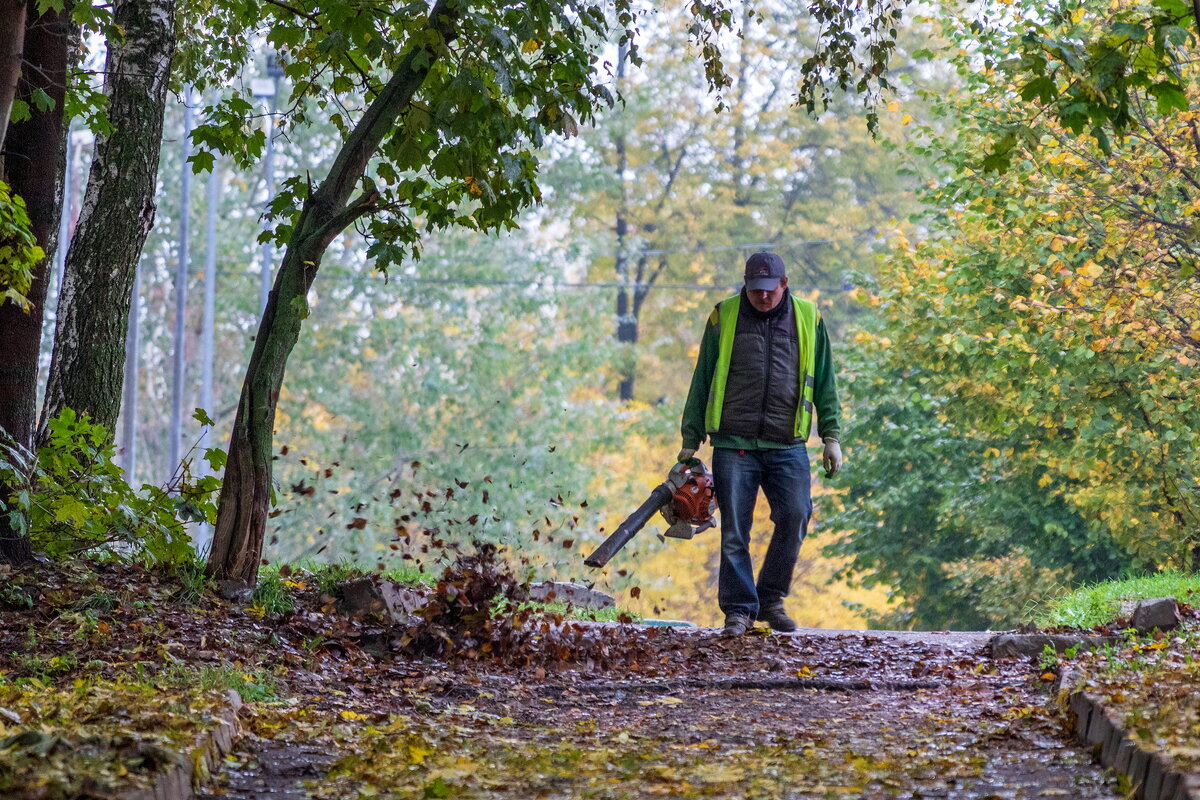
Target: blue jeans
{"points": [[784, 478]]}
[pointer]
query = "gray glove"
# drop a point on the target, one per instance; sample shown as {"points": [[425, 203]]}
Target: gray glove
{"points": [[831, 460], [685, 454]]}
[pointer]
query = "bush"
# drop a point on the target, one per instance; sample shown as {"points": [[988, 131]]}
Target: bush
{"points": [[70, 498]]}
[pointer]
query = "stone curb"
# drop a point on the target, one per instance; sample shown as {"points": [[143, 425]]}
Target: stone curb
{"points": [[205, 757], [1150, 773], [1010, 645]]}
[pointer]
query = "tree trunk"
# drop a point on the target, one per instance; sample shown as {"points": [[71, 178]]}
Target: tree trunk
{"points": [[626, 326], [246, 489], [33, 167], [117, 214], [12, 40]]}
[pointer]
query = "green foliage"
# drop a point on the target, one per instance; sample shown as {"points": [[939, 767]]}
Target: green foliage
{"points": [[1104, 602], [854, 52], [19, 252], [72, 498], [952, 518], [1094, 67]]}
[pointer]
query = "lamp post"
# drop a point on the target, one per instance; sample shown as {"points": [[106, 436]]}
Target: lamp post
{"points": [[179, 366], [268, 88]]}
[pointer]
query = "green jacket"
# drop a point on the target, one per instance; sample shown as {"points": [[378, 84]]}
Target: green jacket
{"points": [[825, 397]]}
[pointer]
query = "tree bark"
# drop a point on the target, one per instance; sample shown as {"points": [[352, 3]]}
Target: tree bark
{"points": [[33, 167], [12, 40], [246, 489], [118, 211]]}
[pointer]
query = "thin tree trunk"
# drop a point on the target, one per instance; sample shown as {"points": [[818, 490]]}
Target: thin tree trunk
{"points": [[626, 326], [33, 167], [12, 40], [246, 489], [118, 211]]}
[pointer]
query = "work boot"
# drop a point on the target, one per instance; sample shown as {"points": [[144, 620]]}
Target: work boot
{"points": [[773, 614], [736, 624]]}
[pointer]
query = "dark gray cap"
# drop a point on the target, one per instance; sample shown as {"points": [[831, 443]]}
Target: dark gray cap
{"points": [[763, 272]]}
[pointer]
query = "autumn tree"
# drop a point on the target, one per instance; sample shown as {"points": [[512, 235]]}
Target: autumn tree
{"points": [[446, 139], [1046, 324]]}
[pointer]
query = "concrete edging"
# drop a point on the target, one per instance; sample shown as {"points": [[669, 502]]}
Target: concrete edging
{"points": [[1150, 773], [202, 760]]}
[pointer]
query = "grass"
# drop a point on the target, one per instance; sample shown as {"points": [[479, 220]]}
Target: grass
{"points": [[253, 685], [609, 614], [271, 596], [1100, 603], [325, 577]]}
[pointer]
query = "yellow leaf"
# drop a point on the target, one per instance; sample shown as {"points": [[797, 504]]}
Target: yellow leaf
{"points": [[531, 46], [351, 715]]}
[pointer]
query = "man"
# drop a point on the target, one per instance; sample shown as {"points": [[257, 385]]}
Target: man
{"points": [[764, 366]]}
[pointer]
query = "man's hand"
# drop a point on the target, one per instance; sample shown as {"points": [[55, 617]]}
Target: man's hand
{"points": [[832, 458], [685, 454]]}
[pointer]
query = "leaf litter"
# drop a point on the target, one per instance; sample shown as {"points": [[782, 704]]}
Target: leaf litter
{"points": [[485, 697]]}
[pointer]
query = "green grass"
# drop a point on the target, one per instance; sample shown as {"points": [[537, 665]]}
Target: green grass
{"points": [[1100, 603], [325, 577], [253, 685], [271, 595]]}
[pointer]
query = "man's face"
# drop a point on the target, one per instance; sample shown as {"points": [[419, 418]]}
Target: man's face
{"points": [[765, 301]]}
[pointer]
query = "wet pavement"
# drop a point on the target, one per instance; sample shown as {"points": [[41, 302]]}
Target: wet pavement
{"points": [[807, 715]]}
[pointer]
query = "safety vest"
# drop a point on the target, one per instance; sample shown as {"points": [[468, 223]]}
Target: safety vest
{"points": [[806, 335]]}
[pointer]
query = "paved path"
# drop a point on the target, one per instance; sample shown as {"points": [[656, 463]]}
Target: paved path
{"points": [[815, 714]]}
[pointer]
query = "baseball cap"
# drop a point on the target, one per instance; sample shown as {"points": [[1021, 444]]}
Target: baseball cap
{"points": [[763, 271]]}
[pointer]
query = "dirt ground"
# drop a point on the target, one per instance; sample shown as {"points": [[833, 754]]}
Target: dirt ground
{"points": [[469, 704]]}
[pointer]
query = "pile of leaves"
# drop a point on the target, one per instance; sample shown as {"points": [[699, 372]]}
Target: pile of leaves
{"points": [[480, 611]]}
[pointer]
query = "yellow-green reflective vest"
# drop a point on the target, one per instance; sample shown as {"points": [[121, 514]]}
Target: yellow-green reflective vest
{"points": [[806, 337]]}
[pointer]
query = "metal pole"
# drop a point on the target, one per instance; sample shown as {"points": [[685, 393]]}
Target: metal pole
{"points": [[181, 279], [129, 405], [64, 220], [210, 293], [202, 538]]}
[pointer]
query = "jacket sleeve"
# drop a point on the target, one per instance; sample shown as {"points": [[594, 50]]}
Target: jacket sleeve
{"points": [[692, 426], [825, 396]]}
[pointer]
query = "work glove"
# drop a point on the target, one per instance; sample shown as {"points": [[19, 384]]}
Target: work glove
{"points": [[831, 460], [685, 454]]}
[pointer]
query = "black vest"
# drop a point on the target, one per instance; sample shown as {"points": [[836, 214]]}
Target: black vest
{"points": [[763, 386]]}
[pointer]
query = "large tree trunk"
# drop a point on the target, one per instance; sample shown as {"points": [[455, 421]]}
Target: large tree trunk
{"points": [[117, 214], [33, 166], [246, 490], [12, 39]]}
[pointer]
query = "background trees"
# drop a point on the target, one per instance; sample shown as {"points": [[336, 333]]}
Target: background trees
{"points": [[1032, 423]]}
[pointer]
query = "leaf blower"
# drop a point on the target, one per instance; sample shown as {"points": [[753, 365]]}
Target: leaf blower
{"points": [[687, 502]]}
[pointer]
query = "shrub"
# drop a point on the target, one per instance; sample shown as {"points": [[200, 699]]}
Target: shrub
{"points": [[70, 498]]}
